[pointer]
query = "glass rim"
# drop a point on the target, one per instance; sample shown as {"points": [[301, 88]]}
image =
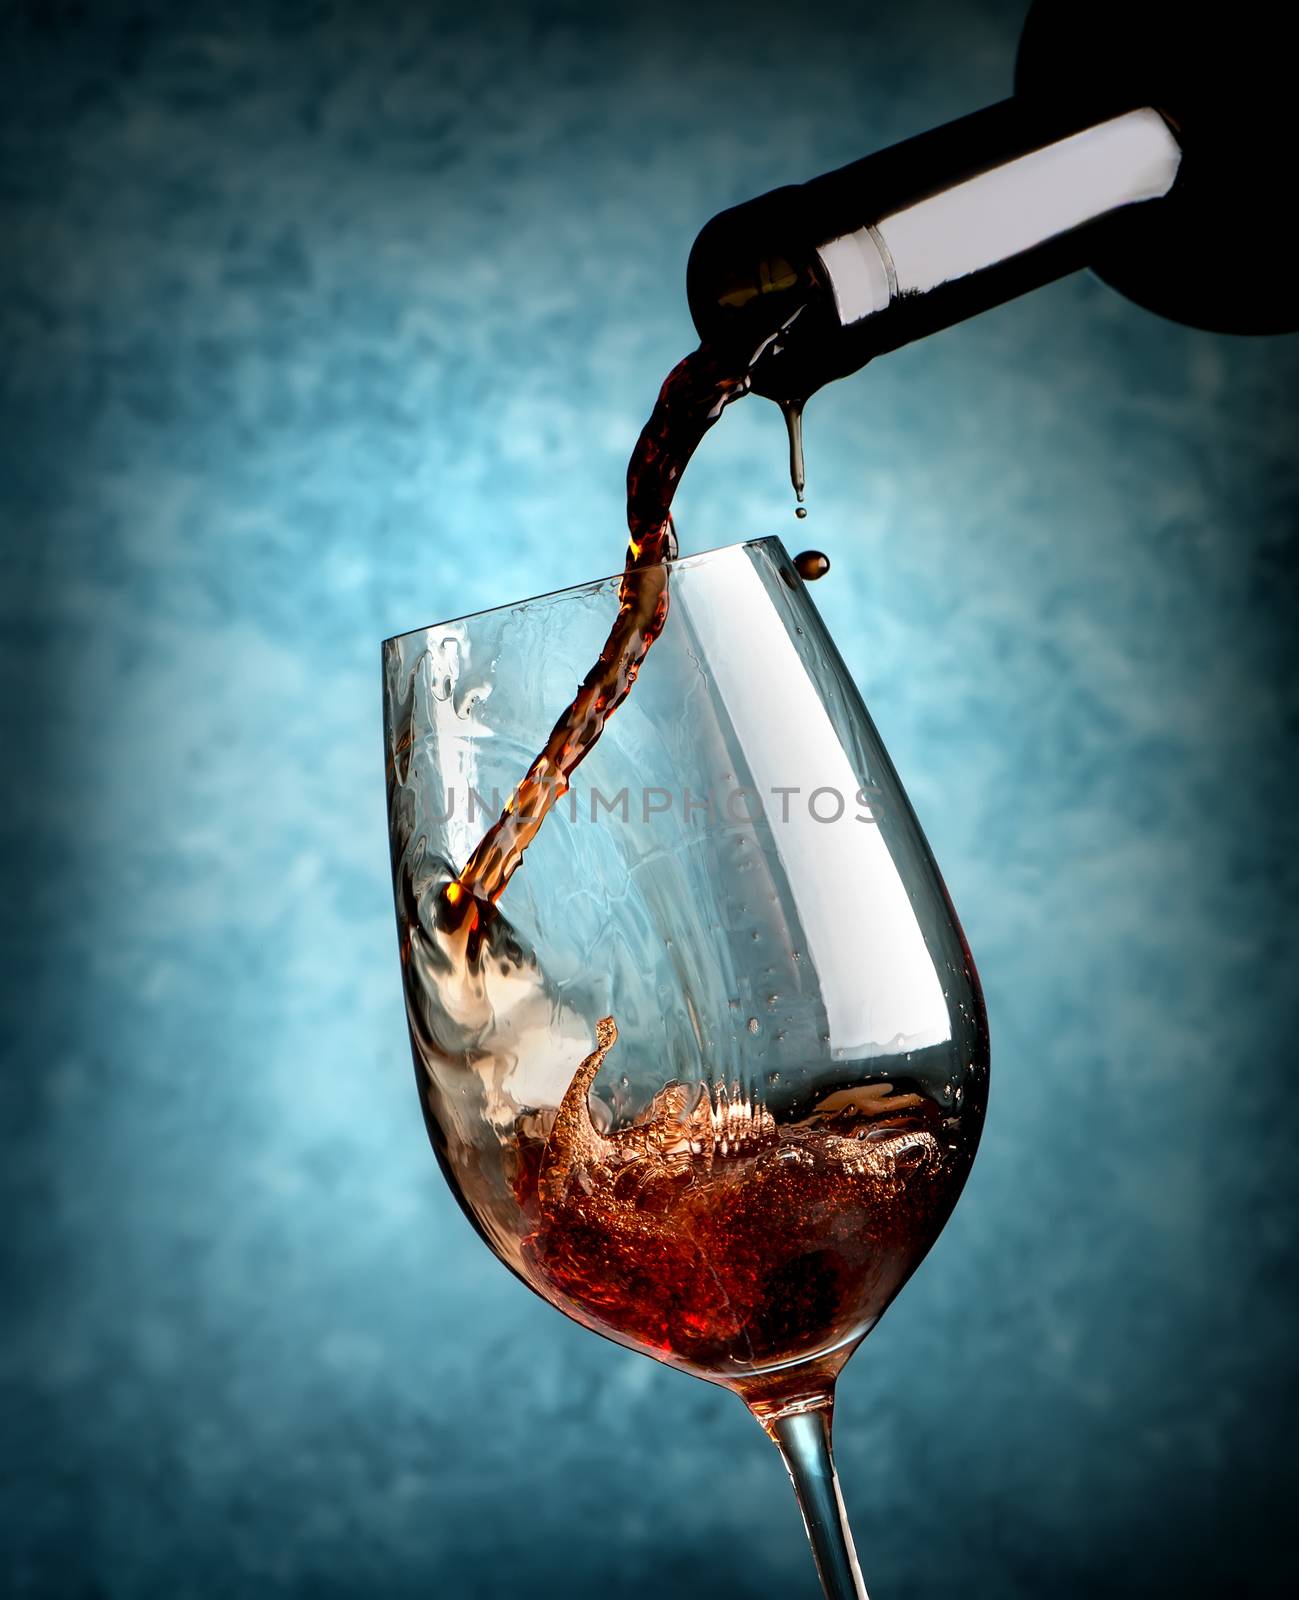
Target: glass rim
{"points": [[676, 563]]}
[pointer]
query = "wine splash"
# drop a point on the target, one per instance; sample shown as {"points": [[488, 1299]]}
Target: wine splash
{"points": [[722, 1242]]}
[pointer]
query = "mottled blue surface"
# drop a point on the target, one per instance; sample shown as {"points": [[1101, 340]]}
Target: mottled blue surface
{"points": [[318, 322]]}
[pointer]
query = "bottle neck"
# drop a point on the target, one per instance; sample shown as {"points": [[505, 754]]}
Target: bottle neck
{"points": [[988, 221], [919, 236]]}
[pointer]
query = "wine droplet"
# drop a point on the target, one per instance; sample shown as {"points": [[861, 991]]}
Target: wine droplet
{"points": [[793, 411], [811, 565]]}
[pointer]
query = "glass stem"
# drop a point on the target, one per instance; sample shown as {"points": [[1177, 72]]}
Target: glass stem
{"points": [[803, 1439]]}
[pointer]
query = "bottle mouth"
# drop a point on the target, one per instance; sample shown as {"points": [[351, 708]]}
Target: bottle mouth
{"points": [[748, 269], [755, 285]]}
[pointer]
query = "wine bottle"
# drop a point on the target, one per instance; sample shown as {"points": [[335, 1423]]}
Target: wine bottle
{"points": [[1145, 140]]}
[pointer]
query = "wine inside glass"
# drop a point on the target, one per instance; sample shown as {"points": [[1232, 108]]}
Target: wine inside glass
{"points": [[710, 1076]]}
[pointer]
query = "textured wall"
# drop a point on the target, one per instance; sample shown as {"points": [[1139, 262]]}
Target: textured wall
{"points": [[318, 322]]}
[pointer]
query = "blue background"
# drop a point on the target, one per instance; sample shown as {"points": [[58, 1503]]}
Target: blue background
{"points": [[319, 322]]}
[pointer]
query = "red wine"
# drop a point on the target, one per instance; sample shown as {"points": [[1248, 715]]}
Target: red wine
{"points": [[719, 1241]]}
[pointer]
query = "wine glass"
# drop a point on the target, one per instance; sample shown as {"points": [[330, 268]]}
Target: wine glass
{"points": [[710, 1075]]}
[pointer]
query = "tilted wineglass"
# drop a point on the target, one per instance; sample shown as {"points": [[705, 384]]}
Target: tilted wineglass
{"points": [[710, 1076]]}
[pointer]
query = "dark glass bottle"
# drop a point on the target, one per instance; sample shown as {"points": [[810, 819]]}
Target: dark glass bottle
{"points": [[1146, 139]]}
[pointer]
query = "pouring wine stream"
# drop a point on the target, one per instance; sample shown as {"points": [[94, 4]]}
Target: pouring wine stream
{"points": [[716, 1180]]}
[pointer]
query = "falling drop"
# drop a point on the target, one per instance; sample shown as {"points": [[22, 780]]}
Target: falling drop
{"points": [[793, 411], [811, 565]]}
